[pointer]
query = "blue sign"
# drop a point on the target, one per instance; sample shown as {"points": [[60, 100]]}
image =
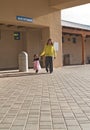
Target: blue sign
{"points": [[25, 19]]}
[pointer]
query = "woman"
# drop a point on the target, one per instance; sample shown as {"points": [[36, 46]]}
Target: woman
{"points": [[49, 53]]}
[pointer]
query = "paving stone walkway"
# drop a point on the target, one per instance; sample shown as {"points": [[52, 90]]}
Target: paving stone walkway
{"points": [[58, 101]]}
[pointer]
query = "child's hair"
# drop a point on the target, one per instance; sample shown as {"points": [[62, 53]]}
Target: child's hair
{"points": [[35, 55]]}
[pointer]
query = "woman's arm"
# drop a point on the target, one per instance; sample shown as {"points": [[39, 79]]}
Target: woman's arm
{"points": [[43, 53]]}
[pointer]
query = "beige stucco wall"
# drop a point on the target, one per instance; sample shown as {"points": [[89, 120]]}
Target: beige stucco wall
{"points": [[10, 49], [74, 49], [33, 8], [32, 41], [34, 44]]}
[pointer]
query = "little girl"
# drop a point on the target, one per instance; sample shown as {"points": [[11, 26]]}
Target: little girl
{"points": [[36, 63]]}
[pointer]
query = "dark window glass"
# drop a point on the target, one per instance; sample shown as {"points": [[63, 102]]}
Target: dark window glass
{"points": [[62, 39], [69, 39], [74, 40]]}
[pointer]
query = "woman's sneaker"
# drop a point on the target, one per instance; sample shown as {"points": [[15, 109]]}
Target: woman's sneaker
{"points": [[47, 70]]}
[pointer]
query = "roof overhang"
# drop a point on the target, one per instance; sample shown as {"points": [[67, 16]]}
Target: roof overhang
{"points": [[62, 4], [35, 8]]}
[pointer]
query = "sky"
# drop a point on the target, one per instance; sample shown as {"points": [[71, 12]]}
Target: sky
{"points": [[78, 14]]}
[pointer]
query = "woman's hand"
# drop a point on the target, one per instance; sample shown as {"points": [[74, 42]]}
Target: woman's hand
{"points": [[54, 57]]}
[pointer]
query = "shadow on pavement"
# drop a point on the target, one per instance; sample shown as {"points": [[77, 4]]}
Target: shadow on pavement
{"points": [[5, 74]]}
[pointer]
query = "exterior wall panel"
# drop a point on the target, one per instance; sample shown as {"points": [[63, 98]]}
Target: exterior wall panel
{"points": [[73, 49], [10, 49]]}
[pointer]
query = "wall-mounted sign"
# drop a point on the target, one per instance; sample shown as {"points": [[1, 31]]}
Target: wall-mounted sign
{"points": [[23, 18], [16, 35], [56, 46]]}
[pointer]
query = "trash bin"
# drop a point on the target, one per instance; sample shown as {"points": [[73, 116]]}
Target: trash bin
{"points": [[23, 62], [88, 60]]}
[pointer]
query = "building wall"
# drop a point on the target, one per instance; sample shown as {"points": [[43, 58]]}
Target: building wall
{"points": [[32, 41], [10, 49], [34, 44], [73, 49]]}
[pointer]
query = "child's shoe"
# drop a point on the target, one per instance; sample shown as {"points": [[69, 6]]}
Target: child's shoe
{"points": [[36, 71]]}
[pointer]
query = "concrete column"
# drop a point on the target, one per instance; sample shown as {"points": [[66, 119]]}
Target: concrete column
{"points": [[23, 62], [45, 37], [56, 36], [83, 50]]}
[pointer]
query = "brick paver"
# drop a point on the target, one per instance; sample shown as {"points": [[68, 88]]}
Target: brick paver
{"points": [[58, 101]]}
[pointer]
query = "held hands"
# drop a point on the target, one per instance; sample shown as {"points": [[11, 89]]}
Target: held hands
{"points": [[40, 57], [54, 57]]}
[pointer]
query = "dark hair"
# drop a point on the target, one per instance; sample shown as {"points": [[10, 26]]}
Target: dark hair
{"points": [[50, 40], [35, 55]]}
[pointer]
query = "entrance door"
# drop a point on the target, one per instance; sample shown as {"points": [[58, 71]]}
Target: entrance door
{"points": [[66, 59]]}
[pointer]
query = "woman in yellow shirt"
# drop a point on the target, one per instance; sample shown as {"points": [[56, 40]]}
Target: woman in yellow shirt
{"points": [[49, 53]]}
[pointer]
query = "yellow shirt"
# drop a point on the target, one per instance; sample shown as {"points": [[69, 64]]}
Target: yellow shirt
{"points": [[49, 51]]}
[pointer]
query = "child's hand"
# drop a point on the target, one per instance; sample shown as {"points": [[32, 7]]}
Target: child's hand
{"points": [[40, 58]]}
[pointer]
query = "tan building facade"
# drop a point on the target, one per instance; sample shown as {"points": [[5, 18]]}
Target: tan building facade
{"points": [[45, 23], [72, 52], [75, 43], [32, 40]]}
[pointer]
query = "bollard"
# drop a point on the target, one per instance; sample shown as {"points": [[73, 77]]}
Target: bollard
{"points": [[23, 62]]}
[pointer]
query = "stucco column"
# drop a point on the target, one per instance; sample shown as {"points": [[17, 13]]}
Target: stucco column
{"points": [[83, 49], [56, 36]]}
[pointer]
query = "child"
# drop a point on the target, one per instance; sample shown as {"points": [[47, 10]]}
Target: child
{"points": [[36, 63]]}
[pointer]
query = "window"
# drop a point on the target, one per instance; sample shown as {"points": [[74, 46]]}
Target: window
{"points": [[74, 40], [62, 39], [69, 39], [16, 35]]}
